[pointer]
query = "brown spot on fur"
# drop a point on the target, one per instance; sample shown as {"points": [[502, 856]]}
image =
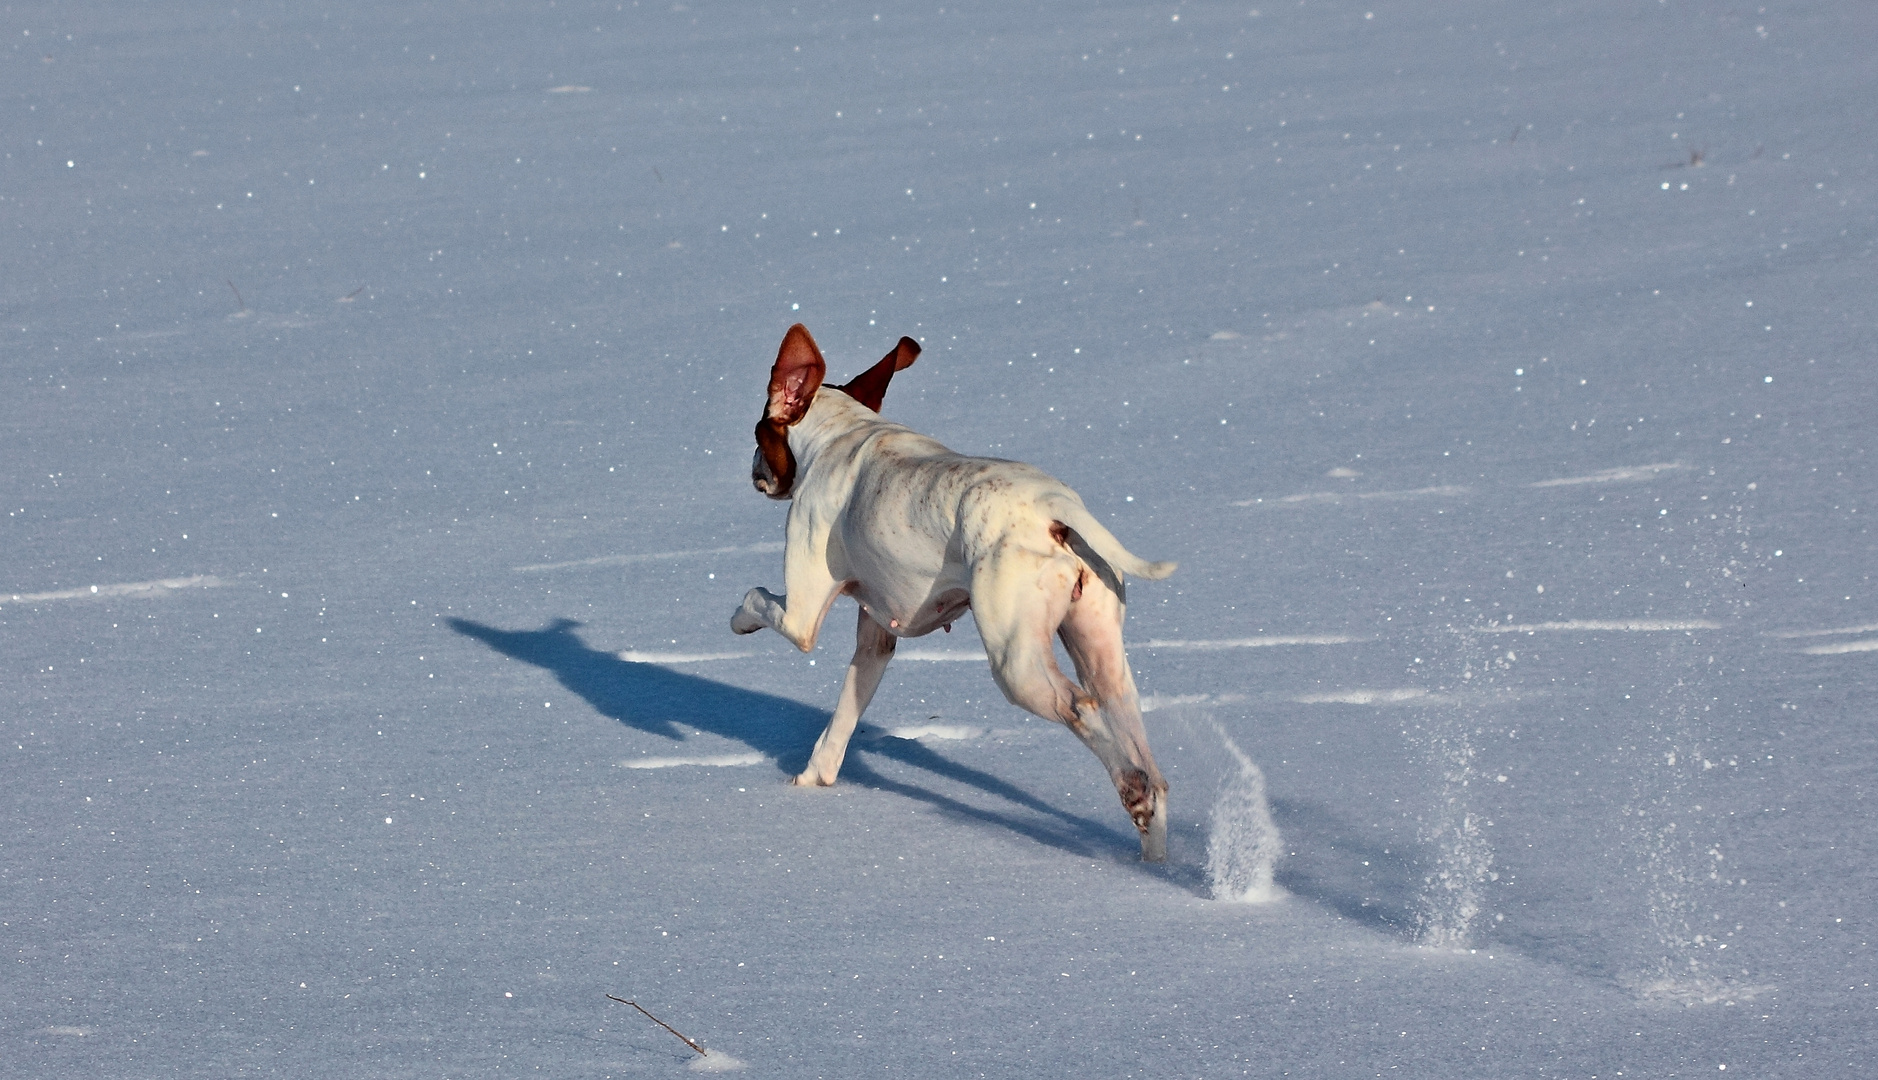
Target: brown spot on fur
{"points": [[1137, 797], [1092, 561]]}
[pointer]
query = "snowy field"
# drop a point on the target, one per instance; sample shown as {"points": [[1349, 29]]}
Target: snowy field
{"points": [[379, 383]]}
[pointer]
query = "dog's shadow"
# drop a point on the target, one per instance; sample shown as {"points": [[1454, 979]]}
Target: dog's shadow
{"points": [[1331, 861], [664, 702]]}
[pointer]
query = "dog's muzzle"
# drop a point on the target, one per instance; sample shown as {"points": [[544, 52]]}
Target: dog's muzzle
{"points": [[773, 467], [760, 475]]}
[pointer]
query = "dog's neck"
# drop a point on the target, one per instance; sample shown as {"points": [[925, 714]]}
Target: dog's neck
{"points": [[831, 415]]}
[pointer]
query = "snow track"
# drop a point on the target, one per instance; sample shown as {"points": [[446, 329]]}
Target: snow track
{"points": [[133, 589], [765, 548], [711, 761]]}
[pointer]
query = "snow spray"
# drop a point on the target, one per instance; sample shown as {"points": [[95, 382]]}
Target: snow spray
{"points": [[1242, 842], [1454, 888], [1685, 876]]}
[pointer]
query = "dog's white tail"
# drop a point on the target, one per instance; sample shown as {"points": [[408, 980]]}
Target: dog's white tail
{"points": [[1070, 511]]}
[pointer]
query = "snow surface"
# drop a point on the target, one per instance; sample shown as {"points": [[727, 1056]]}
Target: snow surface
{"points": [[1499, 374]]}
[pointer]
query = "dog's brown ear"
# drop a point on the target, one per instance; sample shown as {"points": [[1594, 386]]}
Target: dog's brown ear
{"points": [[870, 387], [795, 378]]}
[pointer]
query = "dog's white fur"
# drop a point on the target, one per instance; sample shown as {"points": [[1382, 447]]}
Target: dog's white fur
{"points": [[919, 534]]}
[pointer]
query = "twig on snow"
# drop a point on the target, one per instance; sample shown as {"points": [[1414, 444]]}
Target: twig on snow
{"points": [[662, 1024]]}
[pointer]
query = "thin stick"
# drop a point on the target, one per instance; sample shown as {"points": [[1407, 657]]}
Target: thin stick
{"points": [[238, 299], [662, 1024]]}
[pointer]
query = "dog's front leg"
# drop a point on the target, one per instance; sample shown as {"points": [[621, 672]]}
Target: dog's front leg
{"points": [[798, 614], [800, 622], [873, 647], [760, 608]]}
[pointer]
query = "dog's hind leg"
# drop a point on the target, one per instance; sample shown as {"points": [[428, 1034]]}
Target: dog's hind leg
{"points": [[873, 647], [1092, 635], [1019, 598]]}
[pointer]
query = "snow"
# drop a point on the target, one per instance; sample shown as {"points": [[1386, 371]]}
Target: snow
{"points": [[1243, 844], [1499, 375], [713, 1061]]}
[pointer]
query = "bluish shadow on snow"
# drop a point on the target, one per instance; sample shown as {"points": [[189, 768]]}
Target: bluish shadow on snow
{"points": [[660, 701], [1330, 861], [1185, 867], [1068, 832], [655, 699]]}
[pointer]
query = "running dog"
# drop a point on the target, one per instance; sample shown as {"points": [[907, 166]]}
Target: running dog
{"points": [[918, 535]]}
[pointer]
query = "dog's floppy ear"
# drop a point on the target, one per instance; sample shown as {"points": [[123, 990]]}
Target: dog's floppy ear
{"points": [[871, 385], [795, 378]]}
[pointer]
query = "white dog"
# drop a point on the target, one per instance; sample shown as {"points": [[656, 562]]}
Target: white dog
{"points": [[918, 534]]}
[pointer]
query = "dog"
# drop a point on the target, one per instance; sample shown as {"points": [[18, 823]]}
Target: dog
{"points": [[919, 535]]}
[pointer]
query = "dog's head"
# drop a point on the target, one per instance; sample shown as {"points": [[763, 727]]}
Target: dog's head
{"points": [[793, 383]]}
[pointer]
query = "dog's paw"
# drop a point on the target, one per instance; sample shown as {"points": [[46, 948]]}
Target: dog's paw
{"points": [[811, 778], [747, 620]]}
